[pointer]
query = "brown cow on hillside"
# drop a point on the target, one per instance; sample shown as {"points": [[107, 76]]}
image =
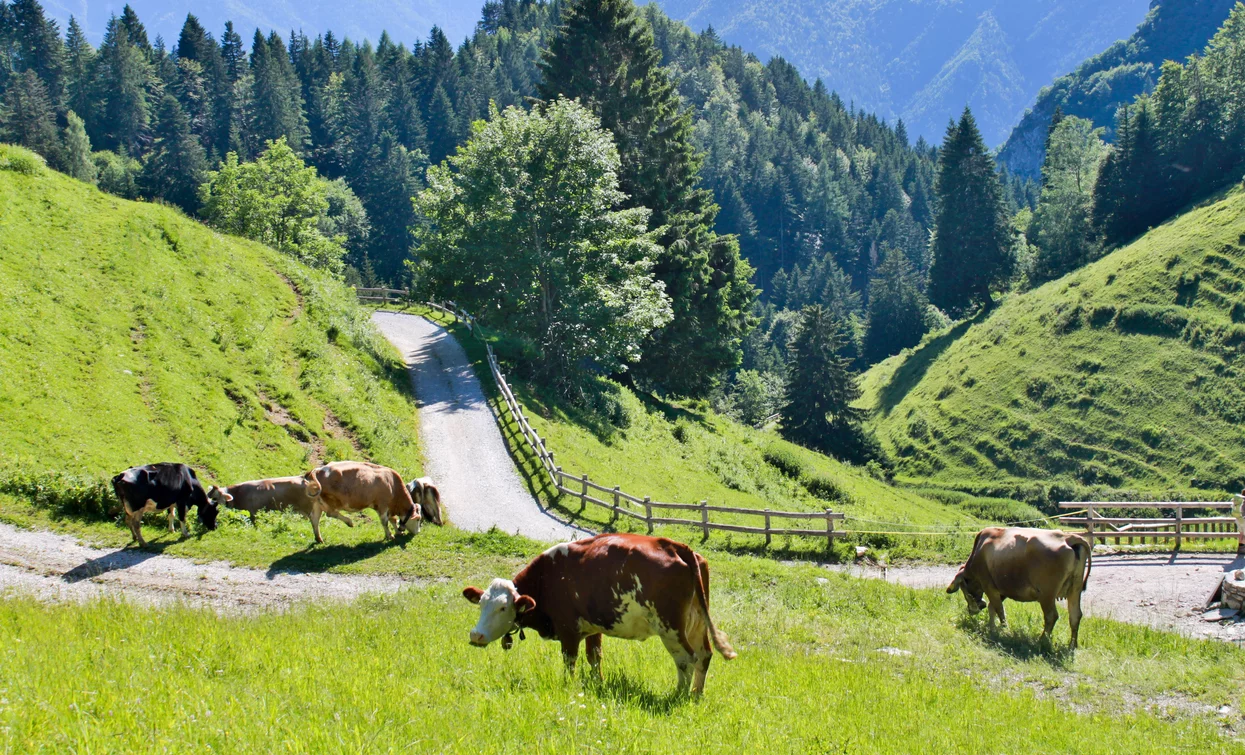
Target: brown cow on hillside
{"points": [[627, 586], [275, 494], [1026, 565], [348, 486]]}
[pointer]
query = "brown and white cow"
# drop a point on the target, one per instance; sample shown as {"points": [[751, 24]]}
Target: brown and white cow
{"points": [[349, 486], [627, 586], [428, 498], [1026, 565]]}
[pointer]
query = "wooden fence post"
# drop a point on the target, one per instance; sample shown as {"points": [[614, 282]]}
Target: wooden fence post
{"points": [[1179, 517], [557, 477], [829, 530], [704, 520], [767, 535], [1089, 523], [583, 495], [648, 513], [614, 514]]}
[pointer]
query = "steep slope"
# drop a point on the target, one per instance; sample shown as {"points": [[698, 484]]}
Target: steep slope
{"points": [[130, 334], [1173, 30], [1126, 373], [923, 60], [405, 21]]}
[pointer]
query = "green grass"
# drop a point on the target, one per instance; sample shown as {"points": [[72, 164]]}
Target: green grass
{"points": [[396, 673], [130, 334], [1123, 378]]}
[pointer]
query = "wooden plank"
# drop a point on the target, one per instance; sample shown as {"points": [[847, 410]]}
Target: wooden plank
{"points": [[1130, 534], [750, 512], [1146, 504]]}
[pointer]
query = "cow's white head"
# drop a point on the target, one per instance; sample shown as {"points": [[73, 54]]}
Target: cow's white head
{"points": [[971, 590], [500, 606], [219, 496]]}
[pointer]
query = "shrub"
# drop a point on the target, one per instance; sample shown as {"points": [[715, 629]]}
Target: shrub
{"points": [[1149, 320], [824, 487], [21, 160], [784, 460], [62, 494]]}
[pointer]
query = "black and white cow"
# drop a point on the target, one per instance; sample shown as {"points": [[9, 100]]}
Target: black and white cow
{"points": [[162, 487]]}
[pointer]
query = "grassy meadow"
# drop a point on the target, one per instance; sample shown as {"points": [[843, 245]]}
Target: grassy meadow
{"points": [[828, 663], [1126, 374], [130, 334]]}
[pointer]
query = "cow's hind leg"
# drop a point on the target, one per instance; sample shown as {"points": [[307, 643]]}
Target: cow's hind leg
{"points": [[1074, 614], [384, 523], [1050, 615], [684, 660], [170, 510], [314, 516], [339, 516], [592, 646]]}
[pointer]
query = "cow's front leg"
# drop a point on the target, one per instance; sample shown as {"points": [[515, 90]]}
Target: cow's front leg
{"points": [[592, 646], [570, 652], [182, 511], [135, 521]]}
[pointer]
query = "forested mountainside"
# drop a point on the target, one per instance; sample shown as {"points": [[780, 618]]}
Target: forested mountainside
{"points": [[405, 21], [1172, 30], [923, 60]]}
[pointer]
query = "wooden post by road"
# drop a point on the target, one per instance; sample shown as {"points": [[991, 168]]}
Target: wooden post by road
{"points": [[1179, 517], [829, 530], [704, 520], [583, 495], [648, 513]]}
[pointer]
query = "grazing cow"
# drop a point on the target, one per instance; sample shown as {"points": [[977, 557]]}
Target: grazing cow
{"points": [[162, 487], [348, 486], [627, 586], [1026, 565], [276, 494], [428, 498]]}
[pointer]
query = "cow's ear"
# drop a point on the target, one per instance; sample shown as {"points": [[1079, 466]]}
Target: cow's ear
{"points": [[524, 604], [958, 582], [473, 594]]}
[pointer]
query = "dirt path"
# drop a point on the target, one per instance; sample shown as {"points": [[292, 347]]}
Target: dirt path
{"points": [[55, 567], [1162, 590], [464, 451]]}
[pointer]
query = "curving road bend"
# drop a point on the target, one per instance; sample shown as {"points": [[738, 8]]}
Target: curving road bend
{"points": [[464, 451]]}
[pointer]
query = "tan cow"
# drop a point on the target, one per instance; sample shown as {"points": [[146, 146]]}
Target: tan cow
{"points": [[1026, 565], [349, 486], [428, 498], [275, 494]]}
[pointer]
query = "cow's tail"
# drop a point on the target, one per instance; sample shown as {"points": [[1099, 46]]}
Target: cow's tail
{"points": [[702, 596], [1081, 545]]}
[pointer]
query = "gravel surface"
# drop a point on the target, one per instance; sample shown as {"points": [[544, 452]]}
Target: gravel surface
{"points": [[55, 567], [1162, 590], [464, 452]]}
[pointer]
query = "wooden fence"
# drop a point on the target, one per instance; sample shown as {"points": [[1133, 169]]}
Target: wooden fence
{"points": [[624, 504], [382, 295], [1168, 529]]}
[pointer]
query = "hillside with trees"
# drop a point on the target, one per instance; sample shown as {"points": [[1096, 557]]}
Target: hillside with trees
{"points": [[1172, 30]]}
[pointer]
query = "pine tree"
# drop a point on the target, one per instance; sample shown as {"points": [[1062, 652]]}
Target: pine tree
{"points": [[30, 120], [276, 98], [972, 235], [121, 118], [39, 47], [442, 126], [135, 31], [1062, 226], [77, 160], [604, 56], [817, 410], [79, 64], [177, 166], [896, 319]]}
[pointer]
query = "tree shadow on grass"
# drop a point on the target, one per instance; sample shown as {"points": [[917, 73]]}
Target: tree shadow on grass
{"points": [[622, 688], [1022, 647], [906, 377], [321, 558]]}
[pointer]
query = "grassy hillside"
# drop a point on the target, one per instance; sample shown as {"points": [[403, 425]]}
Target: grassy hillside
{"points": [[1124, 374], [827, 663], [130, 334]]}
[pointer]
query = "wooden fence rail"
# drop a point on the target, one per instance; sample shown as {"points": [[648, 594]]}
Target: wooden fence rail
{"points": [[1172, 529]]}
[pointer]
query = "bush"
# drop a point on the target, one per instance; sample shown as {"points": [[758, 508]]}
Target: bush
{"points": [[824, 487], [21, 160], [117, 174], [62, 494], [1155, 321], [784, 460]]}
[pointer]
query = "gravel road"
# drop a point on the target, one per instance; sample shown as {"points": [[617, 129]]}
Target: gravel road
{"points": [[1162, 590], [56, 568], [463, 449]]}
